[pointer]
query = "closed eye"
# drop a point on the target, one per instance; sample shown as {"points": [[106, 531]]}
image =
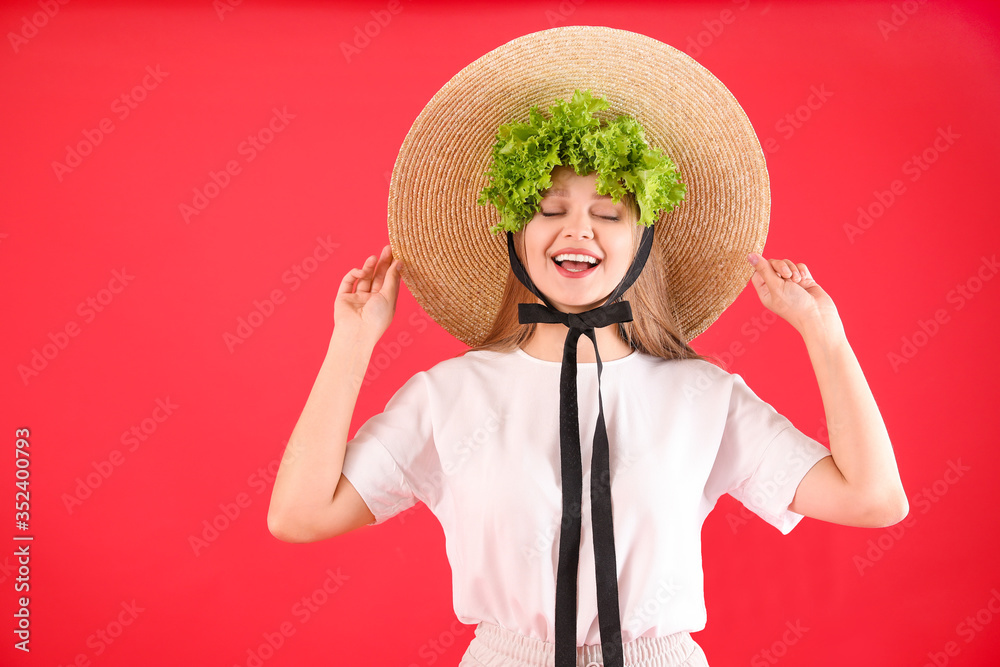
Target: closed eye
{"points": [[603, 217]]}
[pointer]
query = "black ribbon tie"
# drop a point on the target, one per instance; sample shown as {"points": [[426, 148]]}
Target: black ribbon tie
{"points": [[585, 323]]}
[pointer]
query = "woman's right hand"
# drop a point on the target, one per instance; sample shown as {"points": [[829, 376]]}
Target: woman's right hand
{"points": [[366, 299]]}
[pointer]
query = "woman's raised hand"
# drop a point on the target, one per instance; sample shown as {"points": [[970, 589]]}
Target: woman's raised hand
{"points": [[788, 289], [366, 299]]}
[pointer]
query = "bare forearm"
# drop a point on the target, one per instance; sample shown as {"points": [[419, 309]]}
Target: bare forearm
{"points": [[314, 456], [859, 441]]}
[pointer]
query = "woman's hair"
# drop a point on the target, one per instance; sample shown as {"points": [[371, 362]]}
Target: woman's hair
{"points": [[652, 331]]}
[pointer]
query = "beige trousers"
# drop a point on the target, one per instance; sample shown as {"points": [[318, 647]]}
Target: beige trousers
{"points": [[494, 646]]}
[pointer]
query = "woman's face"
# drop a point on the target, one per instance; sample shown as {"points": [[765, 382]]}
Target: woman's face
{"points": [[574, 220]]}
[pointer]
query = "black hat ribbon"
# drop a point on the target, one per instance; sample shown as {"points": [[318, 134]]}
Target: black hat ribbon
{"points": [[584, 323]]}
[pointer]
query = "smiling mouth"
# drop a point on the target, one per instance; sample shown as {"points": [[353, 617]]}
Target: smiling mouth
{"points": [[574, 266], [575, 269]]}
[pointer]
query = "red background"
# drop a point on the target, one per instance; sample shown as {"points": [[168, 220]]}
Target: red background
{"points": [[325, 174]]}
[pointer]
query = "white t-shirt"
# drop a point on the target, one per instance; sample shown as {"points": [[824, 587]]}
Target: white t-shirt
{"points": [[476, 438]]}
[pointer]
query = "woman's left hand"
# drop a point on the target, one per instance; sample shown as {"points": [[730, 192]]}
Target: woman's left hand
{"points": [[788, 290]]}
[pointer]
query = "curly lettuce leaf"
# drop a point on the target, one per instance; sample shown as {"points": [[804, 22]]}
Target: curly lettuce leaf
{"points": [[525, 154]]}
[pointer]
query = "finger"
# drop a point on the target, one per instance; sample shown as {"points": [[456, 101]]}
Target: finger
{"points": [[764, 270], [793, 271], [804, 270], [391, 287], [384, 260], [347, 284], [781, 268], [764, 279], [770, 281], [365, 283]]}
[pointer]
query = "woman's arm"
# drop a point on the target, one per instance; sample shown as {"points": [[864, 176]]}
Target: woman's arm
{"points": [[311, 499], [308, 480], [859, 484]]}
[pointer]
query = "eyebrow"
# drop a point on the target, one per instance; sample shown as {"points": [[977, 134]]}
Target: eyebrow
{"points": [[558, 192]]}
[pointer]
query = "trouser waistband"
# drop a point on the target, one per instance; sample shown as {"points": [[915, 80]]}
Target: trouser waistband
{"points": [[672, 649]]}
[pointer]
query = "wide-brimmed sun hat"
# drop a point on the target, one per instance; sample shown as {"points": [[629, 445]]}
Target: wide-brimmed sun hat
{"points": [[456, 269]]}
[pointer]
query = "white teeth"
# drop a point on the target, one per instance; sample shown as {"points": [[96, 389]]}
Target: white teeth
{"points": [[575, 258]]}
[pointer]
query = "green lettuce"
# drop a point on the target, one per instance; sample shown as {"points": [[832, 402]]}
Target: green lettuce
{"points": [[525, 154]]}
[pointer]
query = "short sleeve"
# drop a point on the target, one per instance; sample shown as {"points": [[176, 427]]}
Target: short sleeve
{"points": [[387, 457], [763, 457]]}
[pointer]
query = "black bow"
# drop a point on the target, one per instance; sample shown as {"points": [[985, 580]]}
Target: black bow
{"points": [[609, 616]]}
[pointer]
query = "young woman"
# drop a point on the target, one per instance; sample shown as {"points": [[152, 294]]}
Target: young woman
{"points": [[502, 442]]}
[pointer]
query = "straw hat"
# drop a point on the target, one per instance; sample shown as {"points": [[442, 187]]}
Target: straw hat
{"points": [[456, 269]]}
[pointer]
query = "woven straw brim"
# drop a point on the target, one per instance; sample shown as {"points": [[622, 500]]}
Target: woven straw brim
{"points": [[456, 269]]}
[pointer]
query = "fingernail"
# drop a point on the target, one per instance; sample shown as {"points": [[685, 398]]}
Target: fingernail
{"points": [[752, 258]]}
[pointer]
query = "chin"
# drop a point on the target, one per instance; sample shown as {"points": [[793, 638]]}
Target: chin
{"points": [[576, 304]]}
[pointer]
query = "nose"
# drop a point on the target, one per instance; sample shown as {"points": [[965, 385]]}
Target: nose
{"points": [[578, 225]]}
